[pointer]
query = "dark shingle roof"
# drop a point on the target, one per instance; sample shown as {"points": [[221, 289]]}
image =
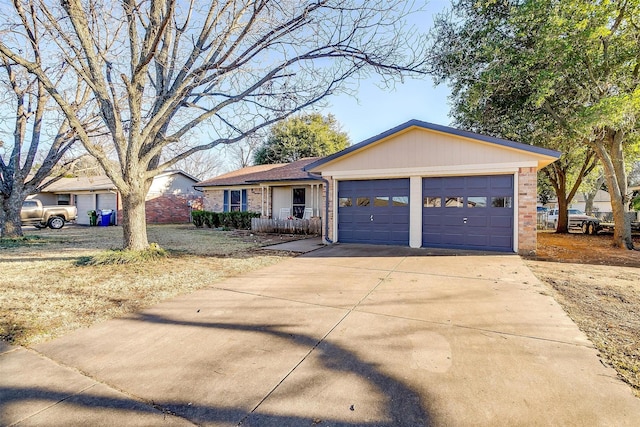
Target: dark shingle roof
{"points": [[293, 171]]}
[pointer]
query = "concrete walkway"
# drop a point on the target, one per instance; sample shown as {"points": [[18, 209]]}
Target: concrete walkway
{"points": [[300, 246], [346, 335]]}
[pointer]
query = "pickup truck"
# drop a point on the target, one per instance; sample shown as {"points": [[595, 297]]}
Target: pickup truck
{"points": [[33, 213], [577, 219]]}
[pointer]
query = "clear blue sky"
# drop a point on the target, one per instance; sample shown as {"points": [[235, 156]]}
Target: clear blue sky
{"points": [[376, 110]]}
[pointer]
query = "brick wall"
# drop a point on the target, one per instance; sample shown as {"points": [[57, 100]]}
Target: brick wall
{"points": [[170, 209], [329, 232], [254, 200], [214, 200], [527, 198]]}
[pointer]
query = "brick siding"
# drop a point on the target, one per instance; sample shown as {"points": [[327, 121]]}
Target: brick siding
{"points": [[171, 209], [527, 197], [214, 200], [329, 232]]}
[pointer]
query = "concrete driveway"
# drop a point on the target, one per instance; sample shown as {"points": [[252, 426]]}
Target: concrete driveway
{"points": [[348, 335]]}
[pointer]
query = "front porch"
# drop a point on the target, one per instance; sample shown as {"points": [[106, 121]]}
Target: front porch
{"points": [[312, 226]]}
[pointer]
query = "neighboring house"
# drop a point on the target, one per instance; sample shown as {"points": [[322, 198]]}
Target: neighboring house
{"points": [[278, 190], [418, 185], [601, 202], [169, 199]]}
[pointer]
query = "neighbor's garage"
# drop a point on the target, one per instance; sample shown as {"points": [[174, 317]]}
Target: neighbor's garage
{"points": [[374, 211], [473, 212], [94, 201], [426, 185]]}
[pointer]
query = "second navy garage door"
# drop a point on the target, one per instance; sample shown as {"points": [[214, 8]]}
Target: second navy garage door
{"points": [[472, 212], [374, 211]]}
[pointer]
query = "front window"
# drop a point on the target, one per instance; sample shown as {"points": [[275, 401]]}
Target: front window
{"points": [[64, 199], [235, 202], [299, 199]]}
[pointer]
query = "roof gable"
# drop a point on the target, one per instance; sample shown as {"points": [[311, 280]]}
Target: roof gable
{"points": [[421, 144]]}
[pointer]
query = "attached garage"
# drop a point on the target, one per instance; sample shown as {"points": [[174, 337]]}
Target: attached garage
{"points": [[374, 211], [472, 212], [426, 185]]}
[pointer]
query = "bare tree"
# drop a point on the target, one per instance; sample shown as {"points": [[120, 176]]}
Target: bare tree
{"points": [[34, 156], [241, 154], [201, 165], [165, 70]]}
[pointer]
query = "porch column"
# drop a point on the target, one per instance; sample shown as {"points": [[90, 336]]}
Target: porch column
{"points": [[261, 201]]}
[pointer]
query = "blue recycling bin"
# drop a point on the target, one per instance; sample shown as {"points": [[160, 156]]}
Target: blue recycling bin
{"points": [[105, 217]]}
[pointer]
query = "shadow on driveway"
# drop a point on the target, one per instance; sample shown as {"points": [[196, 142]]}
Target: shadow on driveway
{"points": [[402, 407]]}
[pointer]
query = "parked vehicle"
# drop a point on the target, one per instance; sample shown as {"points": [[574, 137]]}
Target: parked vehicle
{"points": [[577, 220], [33, 213]]}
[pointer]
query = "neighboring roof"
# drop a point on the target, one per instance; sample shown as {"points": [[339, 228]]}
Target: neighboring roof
{"points": [[280, 172], [84, 183], [439, 128], [178, 172], [96, 183]]}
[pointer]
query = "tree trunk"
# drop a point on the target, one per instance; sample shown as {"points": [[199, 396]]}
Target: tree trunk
{"points": [[611, 155], [563, 215], [11, 224], [134, 224], [590, 197], [588, 202], [559, 182]]}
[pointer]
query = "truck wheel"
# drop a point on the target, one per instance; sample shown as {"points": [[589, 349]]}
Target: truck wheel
{"points": [[56, 222], [585, 227], [592, 228]]}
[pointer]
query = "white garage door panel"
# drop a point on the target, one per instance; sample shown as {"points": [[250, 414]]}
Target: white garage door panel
{"points": [[85, 203], [106, 201]]}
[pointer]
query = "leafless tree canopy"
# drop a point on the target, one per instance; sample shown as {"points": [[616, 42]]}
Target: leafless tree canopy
{"points": [[211, 73], [36, 141]]}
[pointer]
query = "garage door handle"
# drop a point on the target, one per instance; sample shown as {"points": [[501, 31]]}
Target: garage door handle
{"points": [[464, 220], [371, 218]]}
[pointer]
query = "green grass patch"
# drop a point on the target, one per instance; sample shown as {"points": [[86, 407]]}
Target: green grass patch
{"points": [[119, 256], [21, 241]]}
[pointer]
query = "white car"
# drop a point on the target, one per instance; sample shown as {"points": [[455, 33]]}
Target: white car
{"points": [[577, 219]]}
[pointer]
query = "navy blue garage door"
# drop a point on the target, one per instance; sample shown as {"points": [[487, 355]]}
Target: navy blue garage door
{"points": [[473, 212], [375, 211]]}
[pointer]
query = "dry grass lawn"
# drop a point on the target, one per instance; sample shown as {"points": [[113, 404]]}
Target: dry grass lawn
{"points": [[45, 293], [599, 288]]}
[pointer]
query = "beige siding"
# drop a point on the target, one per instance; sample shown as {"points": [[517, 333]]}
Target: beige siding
{"points": [[175, 184], [420, 148], [282, 198]]}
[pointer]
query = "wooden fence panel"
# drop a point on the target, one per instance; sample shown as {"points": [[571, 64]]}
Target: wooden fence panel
{"points": [[311, 226]]}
